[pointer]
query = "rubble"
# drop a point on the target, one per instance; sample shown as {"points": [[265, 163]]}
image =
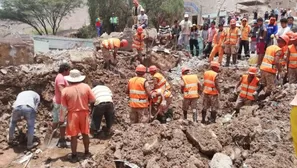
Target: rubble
{"points": [[220, 160]]}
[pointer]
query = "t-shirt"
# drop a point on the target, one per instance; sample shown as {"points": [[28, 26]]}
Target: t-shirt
{"points": [[281, 31], [143, 19], [102, 94], [185, 27], [29, 98], [60, 80], [211, 33], [76, 97]]}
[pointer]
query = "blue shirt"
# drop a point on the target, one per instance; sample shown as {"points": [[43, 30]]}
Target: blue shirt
{"points": [[271, 29]]}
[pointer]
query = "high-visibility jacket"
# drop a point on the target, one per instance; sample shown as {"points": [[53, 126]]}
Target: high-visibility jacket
{"points": [[219, 37], [247, 89], [293, 57], [283, 56], [268, 63], [162, 82], [209, 83], [191, 86], [138, 41], [232, 36], [158, 99], [245, 31], [111, 43], [137, 93]]}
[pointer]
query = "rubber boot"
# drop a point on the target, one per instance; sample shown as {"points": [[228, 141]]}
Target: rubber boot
{"points": [[203, 116], [195, 118], [234, 59], [185, 114], [213, 116], [228, 61]]}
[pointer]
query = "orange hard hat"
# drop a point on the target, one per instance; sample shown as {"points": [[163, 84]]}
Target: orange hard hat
{"points": [[139, 29], [232, 22], [214, 64], [140, 68], [184, 69], [252, 70], [124, 43], [285, 38], [153, 68]]}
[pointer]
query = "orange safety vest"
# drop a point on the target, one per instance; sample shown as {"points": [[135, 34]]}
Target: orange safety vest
{"points": [[209, 83], [268, 63], [219, 37], [111, 43], [293, 57], [283, 56], [138, 41], [158, 99], [137, 93], [191, 86], [232, 36], [161, 81], [247, 89], [245, 31]]}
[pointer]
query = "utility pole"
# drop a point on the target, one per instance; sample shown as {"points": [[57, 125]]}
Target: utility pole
{"points": [[200, 18]]}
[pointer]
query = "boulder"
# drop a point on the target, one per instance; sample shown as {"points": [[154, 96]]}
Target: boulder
{"points": [[151, 146], [151, 33], [204, 140], [220, 160], [82, 56], [151, 163], [163, 61]]}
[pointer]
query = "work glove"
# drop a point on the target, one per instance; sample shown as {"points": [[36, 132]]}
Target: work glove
{"points": [[272, 36]]}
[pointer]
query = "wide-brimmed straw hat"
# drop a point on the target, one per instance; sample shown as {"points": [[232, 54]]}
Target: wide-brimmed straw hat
{"points": [[75, 76]]}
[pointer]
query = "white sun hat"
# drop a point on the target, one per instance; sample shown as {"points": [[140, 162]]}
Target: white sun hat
{"points": [[75, 76]]}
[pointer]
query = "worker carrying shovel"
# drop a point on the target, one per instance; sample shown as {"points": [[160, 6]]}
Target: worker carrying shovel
{"points": [[249, 84], [190, 87], [111, 45], [138, 45], [161, 100]]}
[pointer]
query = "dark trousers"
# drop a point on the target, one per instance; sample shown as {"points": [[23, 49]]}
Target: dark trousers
{"points": [[194, 43], [113, 27], [207, 48], [244, 44], [103, 109]]}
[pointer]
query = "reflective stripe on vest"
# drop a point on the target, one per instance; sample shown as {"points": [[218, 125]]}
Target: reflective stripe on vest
{"points": [[247, 89], [137, 93], [138, 42], [191, 86], [293, 57], [232, 36], [209, 83], [268, 63]]}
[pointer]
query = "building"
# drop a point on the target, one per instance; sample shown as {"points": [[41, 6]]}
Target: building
{"points": [[292, 4], [193, 8]]}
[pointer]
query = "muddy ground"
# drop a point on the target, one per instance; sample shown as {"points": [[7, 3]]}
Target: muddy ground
{"points": [[258, 137]]}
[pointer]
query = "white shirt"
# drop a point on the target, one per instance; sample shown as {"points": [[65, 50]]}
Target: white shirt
{"points": [[185, 27], [143, 19], [29, 98], [102, 94], [281, 31]]}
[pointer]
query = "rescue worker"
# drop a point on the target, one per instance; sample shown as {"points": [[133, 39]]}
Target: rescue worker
{"points": [[245, 30], [161, 100], [231, 42], [211, 92], [139, 93], [292, 60], [217, 42], [271, 65], [190, 87], [248, 92], [108, 45], [159, 80], [138, 44], [293, 120]]}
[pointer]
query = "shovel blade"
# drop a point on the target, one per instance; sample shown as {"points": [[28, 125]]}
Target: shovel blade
{"points": [[49, 140]]}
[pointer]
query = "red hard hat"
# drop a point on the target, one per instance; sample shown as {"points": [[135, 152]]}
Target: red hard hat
{"points": [[285, 38], [153, 68], [232, 22], [214, 64], [252, 70], [184, 69], [140, 68], [124, 43], [139, 29]]}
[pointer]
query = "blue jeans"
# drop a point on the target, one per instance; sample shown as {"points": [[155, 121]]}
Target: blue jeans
{"points": [[30, 115], [98, 31]]}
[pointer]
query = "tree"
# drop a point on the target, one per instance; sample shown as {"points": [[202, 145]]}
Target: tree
{"points": [[39, 14]]}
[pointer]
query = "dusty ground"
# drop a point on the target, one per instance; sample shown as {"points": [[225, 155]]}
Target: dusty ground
{"points": [[259, 137]]}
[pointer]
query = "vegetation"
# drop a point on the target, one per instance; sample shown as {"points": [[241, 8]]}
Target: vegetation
{"points": [[39, 14]]}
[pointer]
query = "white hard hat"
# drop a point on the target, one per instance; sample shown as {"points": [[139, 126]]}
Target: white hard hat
{"points": [[186, 15], [141, 10]]}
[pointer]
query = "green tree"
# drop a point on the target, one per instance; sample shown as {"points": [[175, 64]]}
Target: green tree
{"points": [[44, 16]]}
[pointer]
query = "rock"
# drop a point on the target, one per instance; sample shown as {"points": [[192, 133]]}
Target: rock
{"points": [[3, 71], [117, 154], [194, 163], [203, 139], [220, 160], [151, 163], [273, 135], [5, 116], [82, 56], [178, 134], [151, 33], [151, 146]]}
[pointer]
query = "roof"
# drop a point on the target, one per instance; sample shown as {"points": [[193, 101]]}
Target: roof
{"points": [[214, 15], [251, 2]]}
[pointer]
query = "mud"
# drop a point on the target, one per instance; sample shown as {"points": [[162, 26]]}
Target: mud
{"points": [[258, 137]]}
